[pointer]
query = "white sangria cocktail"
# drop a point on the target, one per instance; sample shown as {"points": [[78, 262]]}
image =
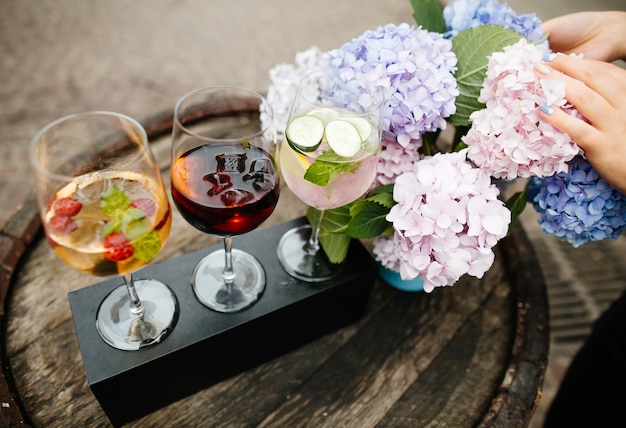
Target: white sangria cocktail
{"points": [[109, 223], [328, 157], [105, 211]]}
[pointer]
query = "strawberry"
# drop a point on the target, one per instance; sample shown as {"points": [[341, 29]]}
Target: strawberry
{"points": [[144, 204], [118, 247], [63, 224], [67, 207]]}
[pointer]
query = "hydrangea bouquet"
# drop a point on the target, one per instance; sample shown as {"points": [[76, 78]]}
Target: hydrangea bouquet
{"points": [[434, 210]]}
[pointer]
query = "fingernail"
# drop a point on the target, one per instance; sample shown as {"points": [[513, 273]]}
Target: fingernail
{"points": [[546, 109], [542, 68], [548, 56]]}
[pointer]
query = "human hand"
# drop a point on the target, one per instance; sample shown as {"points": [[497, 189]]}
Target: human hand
{"points": [[597, 35], [598, 91]]}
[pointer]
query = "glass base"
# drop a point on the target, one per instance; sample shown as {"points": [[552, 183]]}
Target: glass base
{"points": [[208, 283], [301, 264], [126, 331]]}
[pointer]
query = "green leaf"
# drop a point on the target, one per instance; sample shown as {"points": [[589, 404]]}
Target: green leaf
{"points": [[473, 48], [123, 218], [326, 166], [516, 204], [335, 246], [429, 15], [332, 239], [148, 247], [111, 226], [368, 220], [334, 221], [134, 229], [114, 200], [383, 195]]}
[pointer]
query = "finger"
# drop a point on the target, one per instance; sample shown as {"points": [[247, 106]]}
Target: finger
{"points": [[602, 77], [583, 133], [590, 103]]}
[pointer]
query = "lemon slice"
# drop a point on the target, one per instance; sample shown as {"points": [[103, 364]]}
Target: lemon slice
{"points": [[305, 133], [343, 138], [304, 162]]}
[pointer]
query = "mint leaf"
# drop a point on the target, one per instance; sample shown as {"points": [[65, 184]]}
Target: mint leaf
{"points": [[148, 247], [123, 218], [110, 227], [473, 48], [327, 166], [133, 229], [429, 15], [114, 200]]}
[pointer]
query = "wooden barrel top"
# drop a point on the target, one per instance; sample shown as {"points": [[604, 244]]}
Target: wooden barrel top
{"points": [[470, 355]]}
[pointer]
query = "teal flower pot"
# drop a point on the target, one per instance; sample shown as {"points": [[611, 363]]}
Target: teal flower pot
{"points": [[393, 278]]}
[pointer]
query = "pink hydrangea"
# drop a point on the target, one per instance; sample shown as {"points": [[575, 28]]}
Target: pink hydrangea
{"points": [[447, 219], [507, 139], [395, 159]]}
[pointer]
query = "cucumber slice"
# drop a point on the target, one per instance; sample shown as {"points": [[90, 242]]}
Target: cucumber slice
{"points": [[305, 133], [343, 138], [362, 125], [325, 114]]}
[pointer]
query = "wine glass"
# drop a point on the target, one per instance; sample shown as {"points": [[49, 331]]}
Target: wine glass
{"points": [[105, 211], [225, 182], [328, 159]]}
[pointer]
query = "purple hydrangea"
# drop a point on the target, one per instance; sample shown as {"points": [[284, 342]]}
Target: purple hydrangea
{"points": [[414, 67], [463, 14], [578, 206]]}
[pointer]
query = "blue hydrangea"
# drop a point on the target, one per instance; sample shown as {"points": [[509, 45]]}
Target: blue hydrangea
{"points": [[463, 14], [414, 67], [578, 206]]}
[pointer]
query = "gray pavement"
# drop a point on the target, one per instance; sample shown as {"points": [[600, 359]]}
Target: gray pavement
{"points": [[65, 56]]}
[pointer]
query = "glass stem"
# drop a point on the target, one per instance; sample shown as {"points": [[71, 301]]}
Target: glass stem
{"points": [[136, 306], [312, 246], [229, 273]]}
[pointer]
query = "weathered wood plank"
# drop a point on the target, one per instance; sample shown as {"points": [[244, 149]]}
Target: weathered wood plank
{"points": [[469, 355]]}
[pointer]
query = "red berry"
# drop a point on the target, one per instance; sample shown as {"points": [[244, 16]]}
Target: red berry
{"points": [[144, 204], [118, 247], [63, 224], [67, 207]]}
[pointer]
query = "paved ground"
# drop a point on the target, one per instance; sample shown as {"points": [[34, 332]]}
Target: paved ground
{"points": [[61, 57]]}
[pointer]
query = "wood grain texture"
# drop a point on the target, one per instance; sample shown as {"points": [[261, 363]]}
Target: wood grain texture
{"points": [[469, 355]]}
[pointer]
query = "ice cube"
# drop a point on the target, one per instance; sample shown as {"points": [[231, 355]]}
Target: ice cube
{"points": [[218, 181], [261, 165], [236, 197], [262, 173], [264, 183]]}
